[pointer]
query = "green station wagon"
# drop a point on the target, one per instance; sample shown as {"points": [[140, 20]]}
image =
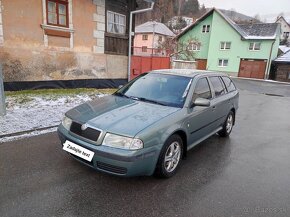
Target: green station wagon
{"points": [[147, 126]]}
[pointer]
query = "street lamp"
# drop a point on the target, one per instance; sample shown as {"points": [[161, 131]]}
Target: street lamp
{"points": [[132, 33]]}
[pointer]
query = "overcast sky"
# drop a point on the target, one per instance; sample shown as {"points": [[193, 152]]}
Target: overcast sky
{"points": [[252, 7]]}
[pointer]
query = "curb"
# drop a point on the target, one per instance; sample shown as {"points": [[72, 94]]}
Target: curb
{"points": [[262, 80], [25, 132]]}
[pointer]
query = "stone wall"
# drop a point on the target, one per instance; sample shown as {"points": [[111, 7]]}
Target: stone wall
{"points": [[99, 32], [27, 65]]}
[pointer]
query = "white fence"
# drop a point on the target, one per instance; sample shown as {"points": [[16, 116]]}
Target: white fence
{"points": [[182, 64]]}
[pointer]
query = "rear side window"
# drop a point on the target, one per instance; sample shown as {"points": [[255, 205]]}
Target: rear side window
{"points": [[229, 84], [202, 90], [218, 86]]}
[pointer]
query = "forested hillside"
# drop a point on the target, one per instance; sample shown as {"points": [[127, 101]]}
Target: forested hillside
{"points": [[166, 9]]}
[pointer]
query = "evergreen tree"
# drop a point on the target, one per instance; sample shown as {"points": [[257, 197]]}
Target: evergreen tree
{"points": [[166, 9], [190, 8]]}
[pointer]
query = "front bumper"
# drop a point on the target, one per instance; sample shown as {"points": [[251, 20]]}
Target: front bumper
{"points": [[116, 161]]}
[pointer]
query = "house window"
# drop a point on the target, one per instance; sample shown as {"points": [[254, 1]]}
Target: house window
{"points": [[288, 75], [255, 46], [225, 45], [116, 23], [194, 47], [144, 37], [286, 34], [205, 28], [223, 62], [144, 49], [57, 12], [160, 38]]}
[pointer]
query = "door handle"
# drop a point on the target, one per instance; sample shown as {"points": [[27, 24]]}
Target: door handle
{"points": [[213, 108]]}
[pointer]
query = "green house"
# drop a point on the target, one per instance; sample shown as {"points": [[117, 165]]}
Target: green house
{"points": [[219, 44]]}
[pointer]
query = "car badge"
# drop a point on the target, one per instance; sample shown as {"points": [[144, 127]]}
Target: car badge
{"points": [[84, 127]]}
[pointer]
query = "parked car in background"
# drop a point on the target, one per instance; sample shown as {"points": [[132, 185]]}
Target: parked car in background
{"points": [[148, 125]]}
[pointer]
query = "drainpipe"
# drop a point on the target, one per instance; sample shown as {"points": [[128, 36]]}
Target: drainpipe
{"points": [[269, 61], [2, 95], [132, 33]]}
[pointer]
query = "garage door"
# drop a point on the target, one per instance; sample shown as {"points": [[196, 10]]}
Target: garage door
{"points": [[201, 64], [253, 68]]}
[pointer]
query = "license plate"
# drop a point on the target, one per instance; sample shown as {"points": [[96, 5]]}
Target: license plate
{"points": [[78, 151]]}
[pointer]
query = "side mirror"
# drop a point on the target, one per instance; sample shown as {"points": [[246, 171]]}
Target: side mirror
{"points": [[201, 102]]}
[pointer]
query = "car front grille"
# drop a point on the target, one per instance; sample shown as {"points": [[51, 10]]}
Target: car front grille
{"points": [[88, 133], [111, 168]]}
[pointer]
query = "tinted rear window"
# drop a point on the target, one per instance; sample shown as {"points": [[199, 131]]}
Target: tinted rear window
{"points": [[229, 84]]}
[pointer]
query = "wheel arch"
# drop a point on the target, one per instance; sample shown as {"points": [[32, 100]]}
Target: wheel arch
{"points": [[183, 136], [234, 111]]}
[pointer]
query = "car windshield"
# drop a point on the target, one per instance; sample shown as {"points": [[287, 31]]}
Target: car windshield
{"points": [[163, 89]]}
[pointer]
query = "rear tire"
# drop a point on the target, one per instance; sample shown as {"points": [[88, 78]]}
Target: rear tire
{"points": [[228, 125], [170, 157]]}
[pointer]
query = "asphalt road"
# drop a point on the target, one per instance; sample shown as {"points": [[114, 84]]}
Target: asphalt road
{"points": [[267, 88], [247, 174]]}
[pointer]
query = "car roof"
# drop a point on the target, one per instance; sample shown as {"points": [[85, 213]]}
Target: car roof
{"points": [[187, 72]]}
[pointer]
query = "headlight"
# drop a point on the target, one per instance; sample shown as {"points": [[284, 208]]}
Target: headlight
{"points": [[66, 122], [122, 142]]}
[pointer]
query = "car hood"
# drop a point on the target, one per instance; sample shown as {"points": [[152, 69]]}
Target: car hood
{"points": [[120, 115]]}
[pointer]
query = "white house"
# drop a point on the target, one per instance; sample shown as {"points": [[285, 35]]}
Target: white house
{"points": [[285, 28], [174, 20]]}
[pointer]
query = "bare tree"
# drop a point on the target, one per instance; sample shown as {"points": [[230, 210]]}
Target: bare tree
{"points": [[180, 5], [257, 18], [281, 14], [180, 49], [164, 10]]}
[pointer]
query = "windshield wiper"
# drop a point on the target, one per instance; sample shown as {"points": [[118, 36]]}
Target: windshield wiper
{"points": [[149, 100], [122, 95], [140, 99]]}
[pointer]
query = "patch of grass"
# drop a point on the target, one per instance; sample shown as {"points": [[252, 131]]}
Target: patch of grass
{"points": [[22, 100], [59, 92]]}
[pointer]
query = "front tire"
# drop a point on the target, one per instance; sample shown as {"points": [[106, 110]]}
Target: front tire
{"points": [[228, 125], [170, 157]]}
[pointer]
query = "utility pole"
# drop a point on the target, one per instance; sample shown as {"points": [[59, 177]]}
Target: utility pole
{"points": [[153, 41], [2, 96]]}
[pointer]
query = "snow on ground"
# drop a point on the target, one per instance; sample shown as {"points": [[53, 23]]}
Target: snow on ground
{"points": [[34, 113]]}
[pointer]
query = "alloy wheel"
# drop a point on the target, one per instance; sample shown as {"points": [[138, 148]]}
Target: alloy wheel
{"points": [[172, 156], [230, 122]]}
